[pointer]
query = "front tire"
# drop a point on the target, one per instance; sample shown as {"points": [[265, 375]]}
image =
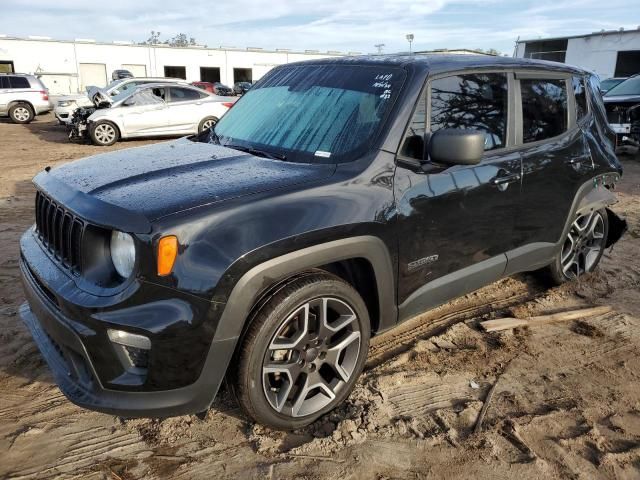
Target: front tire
{"points": [[21, 113], [303, 352], [582, 248], [103, 133], [207, 123]]}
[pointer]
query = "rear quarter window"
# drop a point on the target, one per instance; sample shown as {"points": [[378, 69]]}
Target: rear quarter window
{"points": [[580, 94], [18, 82]]}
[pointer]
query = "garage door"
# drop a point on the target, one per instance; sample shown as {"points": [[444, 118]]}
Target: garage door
{"points": [[137, 70], [93, 74]]}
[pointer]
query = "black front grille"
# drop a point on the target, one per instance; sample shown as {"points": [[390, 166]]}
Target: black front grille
{"points": [[60, 231]]}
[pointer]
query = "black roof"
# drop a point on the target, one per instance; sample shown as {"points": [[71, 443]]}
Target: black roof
{"points": [[437, 63]]}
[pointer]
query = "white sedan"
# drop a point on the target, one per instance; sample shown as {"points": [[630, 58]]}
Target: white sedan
{"points": [[66, 105], [151, 110]]}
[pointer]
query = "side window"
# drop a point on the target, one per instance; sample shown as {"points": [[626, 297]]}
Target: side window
{"points": [[18, 82], [580, 93], [183, 94], [544, 109], [413, 144], [128, 86], [474, 101], [145, 97]]}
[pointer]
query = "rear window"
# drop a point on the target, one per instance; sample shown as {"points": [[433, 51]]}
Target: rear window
{"points": [[18, 82], [544, 109]]}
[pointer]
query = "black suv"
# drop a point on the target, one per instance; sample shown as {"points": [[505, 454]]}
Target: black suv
{"points": [[336, 199]]}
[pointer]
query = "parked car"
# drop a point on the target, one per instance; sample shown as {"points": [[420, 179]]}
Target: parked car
{"points": [[67, 104], [622, 103], [120, 74], [156, 109], [22, 97], [216, 88], [240, 88], [609, 83], [335, 200]]}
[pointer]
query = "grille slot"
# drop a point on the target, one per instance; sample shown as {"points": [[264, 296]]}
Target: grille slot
{"points": [[60, 231]]}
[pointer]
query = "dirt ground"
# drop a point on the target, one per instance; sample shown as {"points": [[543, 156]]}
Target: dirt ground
{"points": [[565, 403]]}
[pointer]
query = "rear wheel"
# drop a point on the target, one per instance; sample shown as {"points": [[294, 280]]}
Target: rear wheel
{"points": [[582, 248], [207, 123], [21, 113], [303, 352], [104, 133]]}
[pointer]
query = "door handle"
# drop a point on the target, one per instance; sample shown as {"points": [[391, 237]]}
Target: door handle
{"points": [[506, 179]]}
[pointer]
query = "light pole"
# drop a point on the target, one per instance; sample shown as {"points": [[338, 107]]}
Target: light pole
{"points": [[379, 46], [410, 40]]}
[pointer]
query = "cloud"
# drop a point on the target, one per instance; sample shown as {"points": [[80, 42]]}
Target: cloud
{"points": [[313, 24]]}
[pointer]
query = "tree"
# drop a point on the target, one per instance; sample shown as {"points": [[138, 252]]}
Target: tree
{"points": [[180, 40]]}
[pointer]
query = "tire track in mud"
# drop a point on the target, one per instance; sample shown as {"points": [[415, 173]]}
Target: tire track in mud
{"points": [[402, 338]]}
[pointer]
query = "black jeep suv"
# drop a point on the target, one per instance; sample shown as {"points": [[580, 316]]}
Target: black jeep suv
{"points": [[336, 199]]}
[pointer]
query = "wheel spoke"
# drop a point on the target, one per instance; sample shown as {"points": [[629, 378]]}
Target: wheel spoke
{"points": [[279, 395], [301, 316], [306, 404], [334, 354]]}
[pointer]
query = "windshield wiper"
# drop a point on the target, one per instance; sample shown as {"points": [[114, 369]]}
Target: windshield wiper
{"points": [[257, 152]]}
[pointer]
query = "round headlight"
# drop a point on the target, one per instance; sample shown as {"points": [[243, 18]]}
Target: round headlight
{"points": [[123, 253]]}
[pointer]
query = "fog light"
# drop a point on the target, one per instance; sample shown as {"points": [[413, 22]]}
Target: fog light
{"points": [[132, 350], [129, 339]]}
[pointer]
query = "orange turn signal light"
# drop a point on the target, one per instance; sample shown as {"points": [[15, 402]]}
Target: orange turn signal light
{"points": [[167, 253]]}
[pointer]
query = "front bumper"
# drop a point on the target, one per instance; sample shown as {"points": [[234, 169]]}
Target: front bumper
{"points": [[82, 360]]}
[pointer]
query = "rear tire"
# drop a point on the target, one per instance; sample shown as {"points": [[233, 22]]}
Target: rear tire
{"points": [[582, 248], [104, 133], [293, 366], [207, 123], [21, 113]]}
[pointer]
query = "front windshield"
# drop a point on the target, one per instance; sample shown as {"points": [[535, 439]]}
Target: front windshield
{"points": [[313, 113], [631, 86]]}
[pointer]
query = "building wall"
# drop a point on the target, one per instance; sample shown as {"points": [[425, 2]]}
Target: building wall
{"points": [[59, 61], [597, 53]]}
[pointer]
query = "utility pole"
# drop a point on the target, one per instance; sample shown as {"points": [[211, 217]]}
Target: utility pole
{"points": [[410, 40], [379, 46]]}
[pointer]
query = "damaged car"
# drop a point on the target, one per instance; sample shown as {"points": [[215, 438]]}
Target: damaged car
{"points": [[622, 103], [337, 199], [156, 109]]}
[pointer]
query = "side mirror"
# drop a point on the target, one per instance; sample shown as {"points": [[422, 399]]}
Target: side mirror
{"points": [[456, 147], [130, 102]]}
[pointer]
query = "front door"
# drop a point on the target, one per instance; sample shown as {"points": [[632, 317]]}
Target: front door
{"points": [[455, 223], [145, 113]]}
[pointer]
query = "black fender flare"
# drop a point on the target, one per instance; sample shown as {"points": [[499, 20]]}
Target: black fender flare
{"points": [[249, 288]]}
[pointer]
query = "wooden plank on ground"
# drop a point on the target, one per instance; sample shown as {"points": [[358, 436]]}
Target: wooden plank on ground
{"points": [[509, 323]]}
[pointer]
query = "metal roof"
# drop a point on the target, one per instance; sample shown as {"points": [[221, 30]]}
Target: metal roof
{"points": [[594, 34]]}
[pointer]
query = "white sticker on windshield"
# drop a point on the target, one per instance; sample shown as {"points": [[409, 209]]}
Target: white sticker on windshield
{"points": [[321, 153]]}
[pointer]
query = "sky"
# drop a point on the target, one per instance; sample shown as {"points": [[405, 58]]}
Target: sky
{"points": [[344, 25]]}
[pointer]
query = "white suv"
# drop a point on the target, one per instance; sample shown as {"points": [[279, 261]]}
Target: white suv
{"points": [[69, 103], [22, 97]]}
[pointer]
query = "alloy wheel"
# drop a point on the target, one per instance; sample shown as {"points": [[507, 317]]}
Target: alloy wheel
{"points": [[583, 245], [22, 114], [105, 133], [207, 124], [311, 357]]}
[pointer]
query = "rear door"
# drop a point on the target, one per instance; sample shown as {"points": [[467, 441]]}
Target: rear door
{"points": [[455, 223], [185, 112], [556, 159]]}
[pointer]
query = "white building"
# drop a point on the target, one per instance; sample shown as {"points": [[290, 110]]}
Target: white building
{"points": [[70, 66], [608, 53]]}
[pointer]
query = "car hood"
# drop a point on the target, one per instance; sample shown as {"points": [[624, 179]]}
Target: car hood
{"points": [[621, 99], [99, 97], [170, 177]]}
